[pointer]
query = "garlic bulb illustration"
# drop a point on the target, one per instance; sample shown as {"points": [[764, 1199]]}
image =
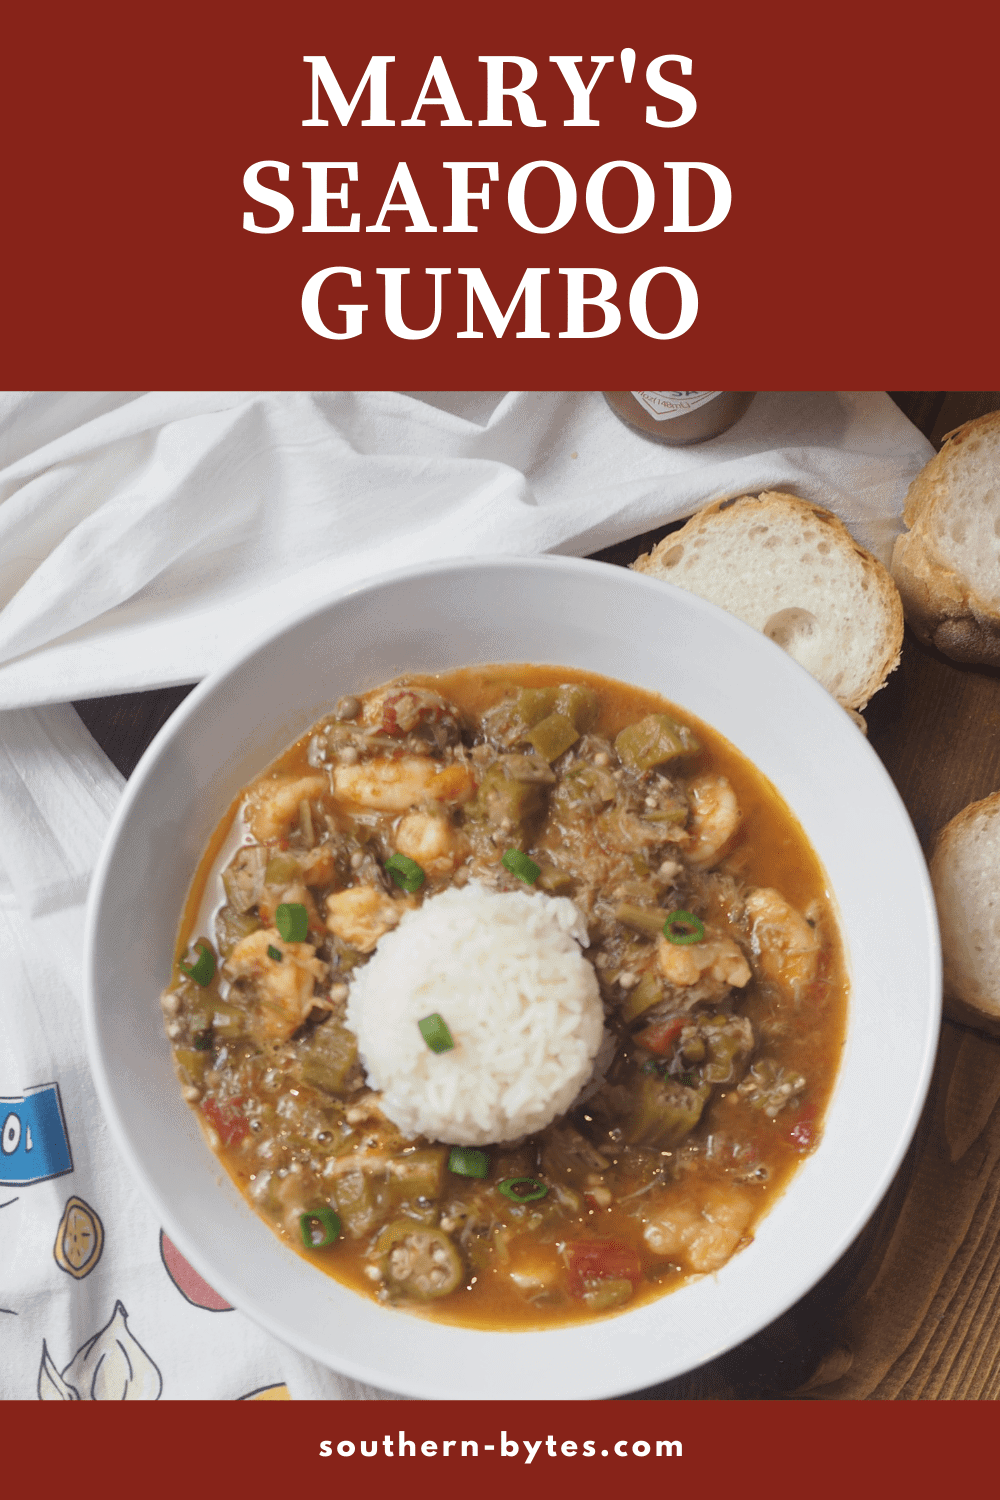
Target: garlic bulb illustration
{"points": [[112, 1366], [51, 1386]]}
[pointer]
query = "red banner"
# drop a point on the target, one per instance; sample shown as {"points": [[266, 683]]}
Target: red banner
{"points": [[752, 196], [585, 1448]]}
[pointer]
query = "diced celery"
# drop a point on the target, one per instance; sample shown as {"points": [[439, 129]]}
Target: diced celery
{"points": [[647, 993], [231, 927], [282, 869], [328, 1056], [580, 704], [502, 799], [647, 919], [419, 1175], [532, 704], [227, 1020], [553, 735], [607, 1293], [192, 1063], [653, 741], [599, 784]]}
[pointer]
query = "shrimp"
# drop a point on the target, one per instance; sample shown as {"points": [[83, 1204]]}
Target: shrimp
{"points": [[318, 866], [274, 896], [715, 817], [787, 946], [274, 805], [361, 915], [702, 1239], [715, 957], [435, 843], [283, 986], [397, 785]]}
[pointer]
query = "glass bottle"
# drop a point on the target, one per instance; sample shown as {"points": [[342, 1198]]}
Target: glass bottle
{"points": [[679, 417]]}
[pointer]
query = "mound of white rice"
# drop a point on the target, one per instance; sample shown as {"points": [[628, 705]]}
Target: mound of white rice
{"points": [[506, 974]]}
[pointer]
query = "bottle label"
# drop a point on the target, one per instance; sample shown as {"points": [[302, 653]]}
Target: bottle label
{"points": [[664, 405]]}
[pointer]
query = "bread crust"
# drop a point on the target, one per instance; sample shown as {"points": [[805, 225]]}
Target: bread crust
{"points": [[749, 511], [940, 604], [970, 941]]}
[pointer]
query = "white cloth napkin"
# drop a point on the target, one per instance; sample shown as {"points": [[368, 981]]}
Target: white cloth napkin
{"points": [[143, 545], [143, 539]]}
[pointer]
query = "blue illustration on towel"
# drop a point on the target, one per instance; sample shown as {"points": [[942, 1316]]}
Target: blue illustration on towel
{"points": [[34, 1145]]}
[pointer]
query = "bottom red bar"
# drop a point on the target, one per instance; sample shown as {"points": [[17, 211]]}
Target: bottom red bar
{"points": [[501, 1448]]}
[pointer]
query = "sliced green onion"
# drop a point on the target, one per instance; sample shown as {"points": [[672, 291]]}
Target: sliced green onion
{"points": [[202, 971], [682, 927], [292, 921], [520, 865], [405, 872], [522, 1189], [434, 1030], [325, 1220], [274, 953], [465, 1161]]}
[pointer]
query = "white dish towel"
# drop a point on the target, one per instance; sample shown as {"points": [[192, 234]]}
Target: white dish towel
{"points": [[143, 539]]}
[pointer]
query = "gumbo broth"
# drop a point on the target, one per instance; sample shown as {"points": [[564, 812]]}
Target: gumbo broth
{"points": [[712, 936]]}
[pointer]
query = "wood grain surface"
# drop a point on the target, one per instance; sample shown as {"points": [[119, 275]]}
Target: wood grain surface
{"points": [[912, 1310]]}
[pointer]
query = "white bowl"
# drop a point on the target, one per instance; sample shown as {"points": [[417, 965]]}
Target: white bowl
{"points": [[571, 613]]}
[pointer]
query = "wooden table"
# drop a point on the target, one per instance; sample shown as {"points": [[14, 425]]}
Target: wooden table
{"points": [[912, 1310]]}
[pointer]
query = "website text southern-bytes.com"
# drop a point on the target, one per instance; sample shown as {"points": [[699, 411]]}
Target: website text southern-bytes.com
{"points": [[526, 1449]]}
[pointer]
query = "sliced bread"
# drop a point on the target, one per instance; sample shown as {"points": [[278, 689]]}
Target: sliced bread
{"points": [[793, 571], [947, 565], [964, 870]]}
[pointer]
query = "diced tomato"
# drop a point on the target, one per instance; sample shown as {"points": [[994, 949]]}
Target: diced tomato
{"points": [[661, 1035], [227, 1120], [803, 1132], [599, 1260], [403, 711]]}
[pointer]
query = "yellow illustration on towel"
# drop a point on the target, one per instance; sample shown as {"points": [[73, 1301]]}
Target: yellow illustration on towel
{"points": [[79, 1239]]}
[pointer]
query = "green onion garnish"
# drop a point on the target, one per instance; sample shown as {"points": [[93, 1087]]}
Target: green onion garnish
{"points": [[465, 1161], [202, 971], [292, 921], [405, 872], [323, 1220], [682, 927], [274, 953], [434, 1030], [520, 865], [522, 1189]]}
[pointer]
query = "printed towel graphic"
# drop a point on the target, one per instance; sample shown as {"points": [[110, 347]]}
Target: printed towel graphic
{"points": [[112, 1366], [34, 1145], [194, 1288], [79, 1239]]}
